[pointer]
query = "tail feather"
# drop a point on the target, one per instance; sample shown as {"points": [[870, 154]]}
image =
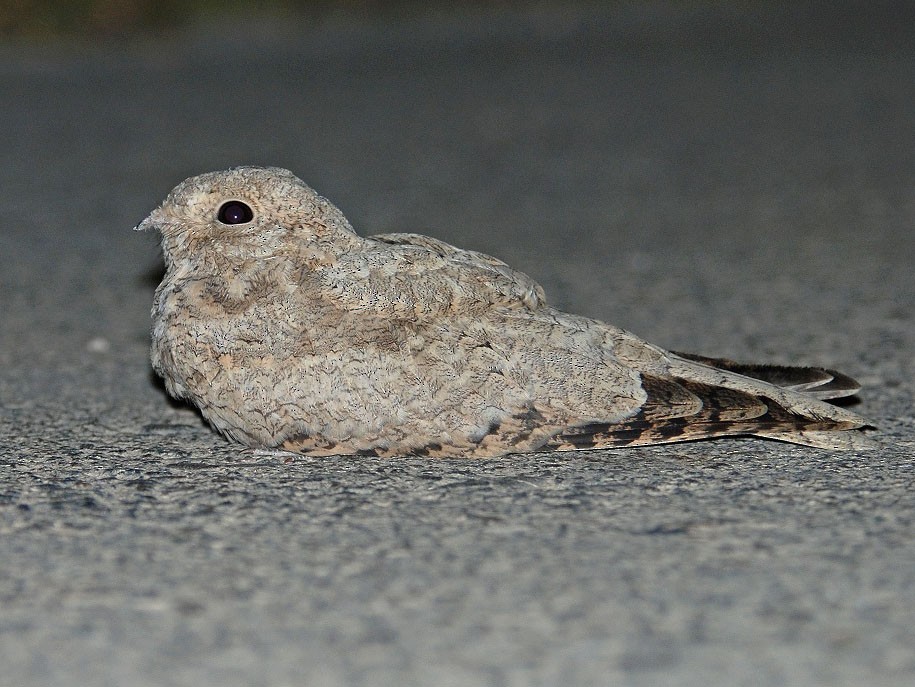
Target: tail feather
{"points": [[801, 403], [706, 397]]}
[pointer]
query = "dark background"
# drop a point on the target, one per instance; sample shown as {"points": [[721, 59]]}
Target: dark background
{"points": [[732, 179]]}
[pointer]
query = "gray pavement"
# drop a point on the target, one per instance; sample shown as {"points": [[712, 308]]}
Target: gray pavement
{"points": [[736, 182]]}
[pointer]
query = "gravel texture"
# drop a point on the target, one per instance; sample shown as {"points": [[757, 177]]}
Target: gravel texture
{"points": [[731, 180]]}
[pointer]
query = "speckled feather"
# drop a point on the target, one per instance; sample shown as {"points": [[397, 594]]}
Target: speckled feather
{"points": [[291, 331]]}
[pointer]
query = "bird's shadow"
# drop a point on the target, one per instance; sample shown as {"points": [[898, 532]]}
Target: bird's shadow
{"points": [[157, 383], [846, 401], [177, 404], [152, 276]]}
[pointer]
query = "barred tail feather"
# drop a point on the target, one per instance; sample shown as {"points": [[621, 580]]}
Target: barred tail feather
{"points": [[710, 398], [801, 403]]}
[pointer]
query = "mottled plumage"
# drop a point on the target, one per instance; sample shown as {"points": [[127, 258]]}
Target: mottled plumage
{"points": [[288, 330]]}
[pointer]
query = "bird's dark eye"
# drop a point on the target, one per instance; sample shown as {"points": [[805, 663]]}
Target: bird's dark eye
{"points": [[235, 212]]}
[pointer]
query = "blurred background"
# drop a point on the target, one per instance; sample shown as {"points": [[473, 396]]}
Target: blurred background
{"points": [[95, 18]]}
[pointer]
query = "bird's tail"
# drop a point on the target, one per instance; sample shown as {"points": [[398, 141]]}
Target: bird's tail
{"points": [[709, 397]]}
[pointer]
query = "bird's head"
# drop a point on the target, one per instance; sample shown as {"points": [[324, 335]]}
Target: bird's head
{"points": [[244, 211]]}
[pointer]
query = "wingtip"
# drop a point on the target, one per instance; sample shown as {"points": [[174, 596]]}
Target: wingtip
{"points": [[817, 382]]}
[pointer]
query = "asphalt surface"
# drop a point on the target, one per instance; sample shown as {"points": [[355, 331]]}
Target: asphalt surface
{"points": [[735, 182]]}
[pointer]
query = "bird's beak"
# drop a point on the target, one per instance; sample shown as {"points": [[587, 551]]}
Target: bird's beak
{"points": [[155, 220]]}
